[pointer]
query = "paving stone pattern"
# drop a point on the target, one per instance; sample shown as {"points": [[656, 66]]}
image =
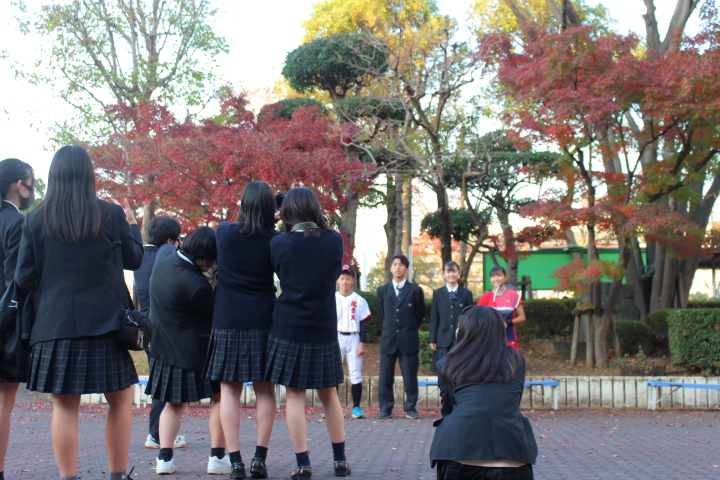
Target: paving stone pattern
{"points": [[574, 444]]}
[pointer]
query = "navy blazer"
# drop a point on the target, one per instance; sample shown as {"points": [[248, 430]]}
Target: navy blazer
{"points": [[401, 317], [181, 310], [482, 421], [445, 314], [245, 292], [142, 278], [11, 221], [77, 289]]}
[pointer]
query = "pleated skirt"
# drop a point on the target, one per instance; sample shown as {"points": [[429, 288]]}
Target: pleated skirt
{"points": [[236, 355], [304, 365], [81, 365], [173, 384]]}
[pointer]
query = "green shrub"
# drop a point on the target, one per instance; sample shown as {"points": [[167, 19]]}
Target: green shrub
{"points": [[546, 318], [374, 325], [704, 304], [570, 303], [657, 322], [633, 334], [426, 353], [694, 337]]}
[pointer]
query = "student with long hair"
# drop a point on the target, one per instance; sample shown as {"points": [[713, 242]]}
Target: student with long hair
{"points": [[181, 309], [244, 302], [482, 434], [506, 303], [303, 350], [17, 187], [66, 256]]}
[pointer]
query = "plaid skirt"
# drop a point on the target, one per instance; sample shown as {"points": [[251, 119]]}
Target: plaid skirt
{"points": [[81, 365], [236, 355], [437, 356], [449, 470], [173, 384], [304, 365]]}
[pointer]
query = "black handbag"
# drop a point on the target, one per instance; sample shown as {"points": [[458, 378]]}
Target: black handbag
{"points": [[14, 366], [135, 332]]}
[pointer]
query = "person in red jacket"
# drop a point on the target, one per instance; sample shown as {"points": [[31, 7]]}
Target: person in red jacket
{"points": [[507, 302]]}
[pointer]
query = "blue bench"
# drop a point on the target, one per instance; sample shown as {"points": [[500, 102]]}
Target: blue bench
{"points": [[543, 383], [654, 390]]}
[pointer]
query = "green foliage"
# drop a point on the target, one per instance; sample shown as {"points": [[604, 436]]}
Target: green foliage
{"points": [[546, 318], [356, 108], [335, 64], [285, 108], [704, 304], [694, 337], [570, 303], [426, 353], [633, 334], [463, 226], [657, 322]]}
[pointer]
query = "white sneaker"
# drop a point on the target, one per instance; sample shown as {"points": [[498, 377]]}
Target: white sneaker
{"points": [[164, 468], [179, 441], [217, 466], [151, 443]]}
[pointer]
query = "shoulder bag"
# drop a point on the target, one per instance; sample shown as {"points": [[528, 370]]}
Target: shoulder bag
{"points": [[135, 332]]}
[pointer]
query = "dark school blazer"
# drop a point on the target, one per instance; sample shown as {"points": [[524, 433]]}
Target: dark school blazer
{"points": [[78, 290], [181, 310], [482, 421], [401, 318], [11, 221], [142, 278], [445, 314]]}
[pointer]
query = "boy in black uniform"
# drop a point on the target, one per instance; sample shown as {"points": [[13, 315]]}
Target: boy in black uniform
{"points": [[447, 305], [401, 307]]}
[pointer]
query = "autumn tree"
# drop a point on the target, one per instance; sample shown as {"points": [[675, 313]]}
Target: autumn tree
{"points": [[638, 135]]}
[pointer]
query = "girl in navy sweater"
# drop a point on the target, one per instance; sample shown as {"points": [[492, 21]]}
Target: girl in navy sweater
{"points": [[303, 350]]}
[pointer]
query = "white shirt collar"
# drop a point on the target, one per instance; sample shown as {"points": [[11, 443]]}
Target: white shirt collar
{"points": [[399, 285], [451, 289], [183, 256], [11, 203]]}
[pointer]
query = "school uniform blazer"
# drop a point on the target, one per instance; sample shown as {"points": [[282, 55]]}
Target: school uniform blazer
{"points": [[77, 287], [10, 232], [401, 317], [181, 310], [445, 314], [482, 421], [142, 278]]}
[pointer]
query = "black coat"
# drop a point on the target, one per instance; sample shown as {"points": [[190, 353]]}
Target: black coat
{"points": [[245, 292], [77, 289], [142, 278], [401, 318], [181, 310], [482, 421], [10, 232], [445, 314]]}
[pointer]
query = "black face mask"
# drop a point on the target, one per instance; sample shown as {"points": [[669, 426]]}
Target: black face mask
{"points": [[26, 203]]}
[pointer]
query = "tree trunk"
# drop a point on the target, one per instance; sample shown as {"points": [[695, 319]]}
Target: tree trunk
{"points": [[407, 214], [444, 220], [148, 215], [503, 214], [391, 223], [349, 211], [399, 208]]}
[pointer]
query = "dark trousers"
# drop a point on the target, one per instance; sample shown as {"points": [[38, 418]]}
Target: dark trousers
{"points": [[155, 411], [449, 470], [386, 393]]}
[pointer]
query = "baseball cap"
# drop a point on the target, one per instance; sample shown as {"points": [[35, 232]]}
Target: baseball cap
{"points": [[349, 269]]}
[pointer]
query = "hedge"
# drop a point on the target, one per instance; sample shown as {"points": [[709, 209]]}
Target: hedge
{"points": [[374, 326], [694, 338], [704, 304], [426, 353], [633, 334], [546, 318]]}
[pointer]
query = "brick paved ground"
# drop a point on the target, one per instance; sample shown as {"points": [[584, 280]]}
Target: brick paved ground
{"points": [[574, 444]]}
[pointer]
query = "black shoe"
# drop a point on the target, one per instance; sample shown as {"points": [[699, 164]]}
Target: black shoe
{"points": [[342, 469], [302, 472], [384, 415], [238, 470], [412, 414], [127, 475], [258, 468]]}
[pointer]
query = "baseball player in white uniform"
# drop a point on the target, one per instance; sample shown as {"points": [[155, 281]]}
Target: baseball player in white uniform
{"points": [[352, 311]]}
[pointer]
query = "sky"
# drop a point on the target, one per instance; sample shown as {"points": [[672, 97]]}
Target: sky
{"points": [[259, 35]]}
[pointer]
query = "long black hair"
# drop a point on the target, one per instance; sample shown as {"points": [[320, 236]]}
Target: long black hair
{"points": [[481, 353], [12, 171], [257, 209], [71, 212], [301, 205]]}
